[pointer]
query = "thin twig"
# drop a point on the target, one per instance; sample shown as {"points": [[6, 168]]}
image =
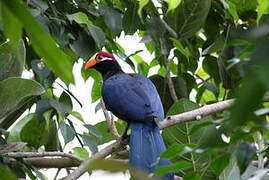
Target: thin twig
{"points": [[73, 127], [110, 122], [39, 154], [57, 173], [170, 81]]}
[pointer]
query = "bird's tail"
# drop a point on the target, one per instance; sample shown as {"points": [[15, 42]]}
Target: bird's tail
{"points": [[146, 145]]}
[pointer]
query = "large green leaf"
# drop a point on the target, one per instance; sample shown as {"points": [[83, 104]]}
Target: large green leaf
{"points": [[180, 134], [30, 130], [11, 60], [42, 42], [131, 15], [14, 93], [113, 19], [98, 35], [244, 155], [189, 17], [34, 132], [12, 27], [68, 133]]}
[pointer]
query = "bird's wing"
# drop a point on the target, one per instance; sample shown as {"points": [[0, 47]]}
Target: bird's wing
{"points": [[132, 97]]}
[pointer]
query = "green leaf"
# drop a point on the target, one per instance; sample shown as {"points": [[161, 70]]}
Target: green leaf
{"points": [[180, 47], [142, 3], [77, 115], [113, 19], [15, 92], [90, 142], [179, 166], [30, 130], [98, 35], [43, 44], [220, 163], [93, 130], [172, 4], [175, 150], [263, 8], [6, 173], [215, 46], [189, 17], [248, 98], [97, 85], [106, 135], [66, 101], [34, 132], [84, 46], [12, 27], [131, 15], [244, 155], [52, 143], [67, 132], [80, 18], [232, 10], [11, 61], [210, 66], [81, 152]]}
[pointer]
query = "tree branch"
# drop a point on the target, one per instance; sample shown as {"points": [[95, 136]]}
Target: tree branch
{"points": [[40, 154], [41, 162], [110, 122], [196, 114], [170, 81]]}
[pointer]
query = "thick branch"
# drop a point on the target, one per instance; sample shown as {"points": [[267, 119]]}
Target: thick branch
{"points": [[52, 162], [40, 154], [41, 162], [196, 114]]}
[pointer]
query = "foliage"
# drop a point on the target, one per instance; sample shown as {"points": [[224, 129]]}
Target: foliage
{"points": [[214, 49]]}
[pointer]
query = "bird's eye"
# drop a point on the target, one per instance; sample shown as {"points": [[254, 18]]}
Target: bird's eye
{"points": [[99, 58]]}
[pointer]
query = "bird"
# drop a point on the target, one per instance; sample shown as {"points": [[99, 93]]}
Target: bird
{"points": [[134, 98]]}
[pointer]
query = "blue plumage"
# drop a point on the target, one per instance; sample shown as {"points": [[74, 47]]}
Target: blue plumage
{"points": [[134, 98]]}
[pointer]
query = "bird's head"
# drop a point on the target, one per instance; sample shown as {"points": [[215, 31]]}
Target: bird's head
{"points": [[100, 57], [105, 63]]}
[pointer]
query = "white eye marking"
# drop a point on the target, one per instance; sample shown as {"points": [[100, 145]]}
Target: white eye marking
{"points": [[106, 58]]}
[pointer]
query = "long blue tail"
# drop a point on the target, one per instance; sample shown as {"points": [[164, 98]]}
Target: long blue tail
{"points": [[146, 145]]}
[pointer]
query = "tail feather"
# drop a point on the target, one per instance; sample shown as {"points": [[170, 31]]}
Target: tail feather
{"points": [[146, 145]]}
